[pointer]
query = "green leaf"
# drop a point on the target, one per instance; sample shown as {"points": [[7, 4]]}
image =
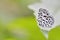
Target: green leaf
{"points": [[28, 27], [54, 34]]}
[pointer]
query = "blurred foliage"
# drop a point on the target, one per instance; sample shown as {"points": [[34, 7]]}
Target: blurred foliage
{"points": [[54, 34], [17, 22], [27, 28], [16, 7]]}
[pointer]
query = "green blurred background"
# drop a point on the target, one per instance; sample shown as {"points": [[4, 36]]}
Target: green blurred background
{"points": [[17, 22]]}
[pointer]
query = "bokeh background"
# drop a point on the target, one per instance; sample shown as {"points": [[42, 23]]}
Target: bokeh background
{"points": [[17, 22]]}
